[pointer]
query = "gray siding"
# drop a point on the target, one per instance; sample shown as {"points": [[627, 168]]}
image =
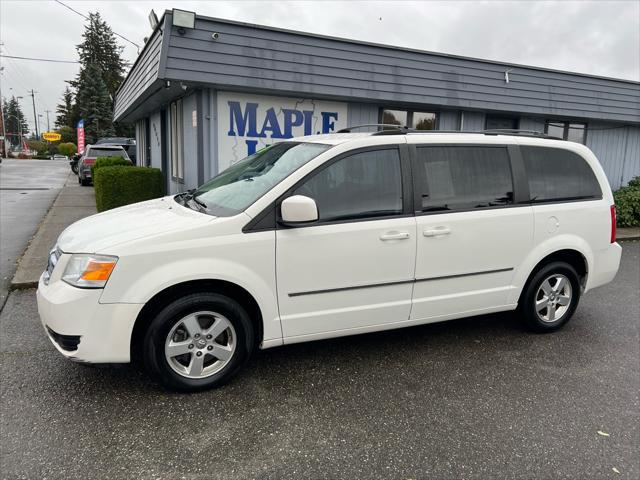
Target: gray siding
{"points": [[142, 76], [270, 60], [618, 150]]}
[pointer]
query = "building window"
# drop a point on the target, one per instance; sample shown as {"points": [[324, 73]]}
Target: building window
{"points": [[141, 143], [177, 141], [497, 122], [410, 118], [574, 132]]}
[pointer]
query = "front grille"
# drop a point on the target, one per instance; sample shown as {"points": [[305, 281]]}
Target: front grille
{"points": [[68, 343], [54, 255]]}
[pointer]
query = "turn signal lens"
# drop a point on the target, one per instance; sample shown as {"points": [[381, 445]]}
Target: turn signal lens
{"points": [[89, 271], [96, 271]]}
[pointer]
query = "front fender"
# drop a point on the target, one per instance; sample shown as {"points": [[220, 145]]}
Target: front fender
{"points": [[248, 262], [543, 250]]}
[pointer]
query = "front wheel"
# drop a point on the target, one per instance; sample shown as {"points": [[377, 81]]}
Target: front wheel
{"points": [[198, 342], [550, 297]]}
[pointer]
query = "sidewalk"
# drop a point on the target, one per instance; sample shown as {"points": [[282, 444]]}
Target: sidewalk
{"points": [[73, 203], [628, 233]]}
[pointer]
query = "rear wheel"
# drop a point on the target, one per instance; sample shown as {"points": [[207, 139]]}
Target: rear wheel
{"points": [[198, 342], [85, 182], [550, 297]]}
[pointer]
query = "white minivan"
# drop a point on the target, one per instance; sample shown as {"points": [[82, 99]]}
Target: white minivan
{"points": [[331, 235]]}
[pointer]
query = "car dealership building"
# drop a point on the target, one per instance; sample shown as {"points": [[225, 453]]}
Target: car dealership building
{"points": [[205, 92]]}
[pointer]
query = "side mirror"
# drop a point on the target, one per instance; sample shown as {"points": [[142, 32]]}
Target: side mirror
{"points": [[298, 209]]}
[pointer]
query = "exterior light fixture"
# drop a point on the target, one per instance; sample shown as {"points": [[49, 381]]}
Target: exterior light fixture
{"points": [[183, 19], [153, 19]]}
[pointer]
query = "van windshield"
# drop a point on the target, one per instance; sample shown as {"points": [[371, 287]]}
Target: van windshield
{"points": [[240, 185]]}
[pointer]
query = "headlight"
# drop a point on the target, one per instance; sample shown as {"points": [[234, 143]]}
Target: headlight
{"points": [[89, 271]]}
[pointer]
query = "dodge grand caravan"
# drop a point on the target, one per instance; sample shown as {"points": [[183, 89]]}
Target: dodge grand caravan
{"points": [[332, 235]]}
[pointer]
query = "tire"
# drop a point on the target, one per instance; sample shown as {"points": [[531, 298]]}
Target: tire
{"points": [[74, 169], [550, 298], [172, 341], [85, 182]]}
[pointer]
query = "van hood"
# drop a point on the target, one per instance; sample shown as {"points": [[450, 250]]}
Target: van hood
{"points": [[99, 232]]}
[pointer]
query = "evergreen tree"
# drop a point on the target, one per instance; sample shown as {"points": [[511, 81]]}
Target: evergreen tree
{"points": [[64, 110], [14, 120], [99, 47], [94, 104]]}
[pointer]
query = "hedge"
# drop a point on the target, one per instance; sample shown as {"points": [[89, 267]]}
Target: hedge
{"points": [[117, 186], [109, 162], [627, 201]]}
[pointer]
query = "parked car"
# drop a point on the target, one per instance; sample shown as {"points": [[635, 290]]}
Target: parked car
{"points": [[58, 156], [129, 145], [333, 235], [91, 154]]}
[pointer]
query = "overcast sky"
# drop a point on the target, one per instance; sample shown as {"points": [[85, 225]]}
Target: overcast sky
{"points": [[594, 37]]}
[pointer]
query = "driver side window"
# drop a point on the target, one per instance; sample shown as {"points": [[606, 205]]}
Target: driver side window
{"points": [[363, 185]]}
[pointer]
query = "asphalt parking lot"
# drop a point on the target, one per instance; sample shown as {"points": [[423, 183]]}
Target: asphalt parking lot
{"points": [[476, 398]]}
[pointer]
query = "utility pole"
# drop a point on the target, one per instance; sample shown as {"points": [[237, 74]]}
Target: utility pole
{"points": [[48, 127], [35, 115], [4, 127]]}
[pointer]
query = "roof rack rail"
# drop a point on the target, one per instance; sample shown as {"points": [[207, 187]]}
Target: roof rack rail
{"points": [[519, 133], [391, 129], [392, 126]]}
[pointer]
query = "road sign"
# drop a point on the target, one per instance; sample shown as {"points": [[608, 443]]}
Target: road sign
{"points": [[52, 136]]}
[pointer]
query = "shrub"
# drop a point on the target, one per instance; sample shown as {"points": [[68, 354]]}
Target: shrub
{"points": [[627, 201], [67, 149], [116, 186], [109, 162]]}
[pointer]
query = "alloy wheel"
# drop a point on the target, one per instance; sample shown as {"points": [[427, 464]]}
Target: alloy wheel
{"points": [[553, 298], [200, 344]]}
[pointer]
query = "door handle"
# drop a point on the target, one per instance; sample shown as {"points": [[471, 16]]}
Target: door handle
{"points": [[394, 236], [436, 232]]}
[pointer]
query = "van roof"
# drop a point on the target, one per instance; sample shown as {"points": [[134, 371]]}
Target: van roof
{"points": [[346, 135]]}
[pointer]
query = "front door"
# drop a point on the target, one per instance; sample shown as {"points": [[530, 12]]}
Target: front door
{"points": [[354, 267], [472, 234]]}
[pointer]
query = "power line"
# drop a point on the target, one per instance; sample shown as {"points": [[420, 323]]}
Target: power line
{"points": [[39, 59], [87, 18]]}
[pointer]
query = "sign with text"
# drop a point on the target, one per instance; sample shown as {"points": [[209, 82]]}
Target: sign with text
{"points": [[80, 130], [247, 123], [51, 136]]}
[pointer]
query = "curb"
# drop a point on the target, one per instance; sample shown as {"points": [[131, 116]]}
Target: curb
{"points": [[22, 286]]}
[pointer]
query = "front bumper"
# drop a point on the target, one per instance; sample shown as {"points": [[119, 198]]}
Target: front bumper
{"points": [[104, 329]]}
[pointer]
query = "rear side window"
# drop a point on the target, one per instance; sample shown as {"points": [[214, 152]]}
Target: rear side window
{"points": [[555, 174], [463, 178], [363, 185], [106, 152]]}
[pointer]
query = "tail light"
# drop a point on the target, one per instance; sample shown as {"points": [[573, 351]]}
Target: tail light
{"points": [[613, 224]]}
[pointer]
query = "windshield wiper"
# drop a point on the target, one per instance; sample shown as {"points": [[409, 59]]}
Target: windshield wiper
{"points": [[189, 195]]}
